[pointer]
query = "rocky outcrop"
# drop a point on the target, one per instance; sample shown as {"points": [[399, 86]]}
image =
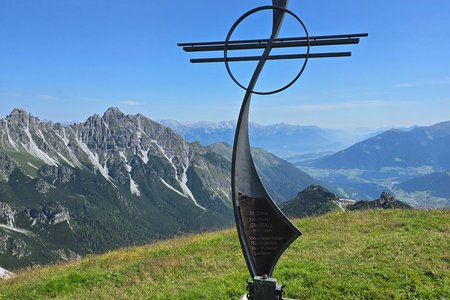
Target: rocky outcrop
{"points": [[5, 274], [4, 238], [42, 186], [66, 254], [51, 214], [7, 214], [386, 201], [7, 166], [61, 174], [20, 249], [57, 214], [12, 245]]}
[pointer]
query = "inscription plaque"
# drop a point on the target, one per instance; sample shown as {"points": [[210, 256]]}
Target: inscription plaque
{"points": [[266, 233]]}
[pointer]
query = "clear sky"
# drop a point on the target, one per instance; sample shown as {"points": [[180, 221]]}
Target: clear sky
{"points": [[66, 60]]}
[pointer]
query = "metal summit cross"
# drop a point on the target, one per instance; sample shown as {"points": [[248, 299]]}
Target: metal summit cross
{"points": [[264, 232]]}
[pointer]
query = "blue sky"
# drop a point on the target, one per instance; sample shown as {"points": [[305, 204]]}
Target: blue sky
{"points": [[66, 60]]}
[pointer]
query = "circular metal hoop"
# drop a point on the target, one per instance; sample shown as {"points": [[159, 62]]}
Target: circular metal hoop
{"points": [[236, 24]]}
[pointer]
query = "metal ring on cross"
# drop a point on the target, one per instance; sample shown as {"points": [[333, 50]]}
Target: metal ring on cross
{"points": [[236, 24]]}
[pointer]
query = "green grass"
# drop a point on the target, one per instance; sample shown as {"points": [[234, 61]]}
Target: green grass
{"points": [[346, 255]]}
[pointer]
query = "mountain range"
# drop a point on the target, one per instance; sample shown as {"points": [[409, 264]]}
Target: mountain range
{"points": [[421, 146], [413, 164], [112, 181], [283, 140]]}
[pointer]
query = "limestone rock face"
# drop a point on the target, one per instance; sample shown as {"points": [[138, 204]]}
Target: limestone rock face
{"points": [[20, 249], [52, 214], [61, 174], [7, 166], [5, 274], [7, 214], [42, 186]]}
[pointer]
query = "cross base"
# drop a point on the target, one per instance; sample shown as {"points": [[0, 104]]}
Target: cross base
{"points": [[264, 288]]}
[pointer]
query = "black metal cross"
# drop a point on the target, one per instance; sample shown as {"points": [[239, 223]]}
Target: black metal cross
{"points": [[264, 232]]}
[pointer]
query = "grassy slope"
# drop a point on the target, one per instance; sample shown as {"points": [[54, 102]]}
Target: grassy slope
{"points": [[345, 255]]}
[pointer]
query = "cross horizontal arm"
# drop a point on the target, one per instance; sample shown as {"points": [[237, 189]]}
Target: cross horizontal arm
{"points": [[279, 44], [271, 57], [311, 38]]}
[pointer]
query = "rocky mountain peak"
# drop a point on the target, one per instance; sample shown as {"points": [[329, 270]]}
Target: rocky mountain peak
{"points": [[316, 188], [18, 112], [318, 192], [312, 201], [386, 198], [95, 119], [113, 113], [21, 117]]}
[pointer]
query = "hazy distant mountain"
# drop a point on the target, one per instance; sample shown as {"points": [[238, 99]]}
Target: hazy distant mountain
{"points": [[111, 181], [283, 140], [421, 146]]}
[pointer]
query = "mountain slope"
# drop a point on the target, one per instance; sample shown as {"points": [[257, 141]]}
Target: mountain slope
{"points": [[420, 146], [434, 186], [346, 255], [281, 179], [312, 201], [438, 182]]}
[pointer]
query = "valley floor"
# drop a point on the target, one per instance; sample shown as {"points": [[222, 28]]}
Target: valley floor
{"points": [[345, 255]]}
